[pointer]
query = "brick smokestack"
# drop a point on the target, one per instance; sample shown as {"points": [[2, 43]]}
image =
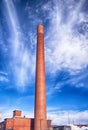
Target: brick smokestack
{"points": [[40, 122]]}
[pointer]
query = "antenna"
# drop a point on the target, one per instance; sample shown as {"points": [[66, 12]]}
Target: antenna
{"points": [[73, 122], [0, 116], [68, 118]]}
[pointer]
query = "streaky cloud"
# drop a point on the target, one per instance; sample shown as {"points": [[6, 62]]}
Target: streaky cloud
{"points": [[20, 66]]}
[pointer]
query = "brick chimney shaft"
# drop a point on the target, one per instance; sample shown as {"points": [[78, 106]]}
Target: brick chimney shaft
{"points": [[40, 86]]}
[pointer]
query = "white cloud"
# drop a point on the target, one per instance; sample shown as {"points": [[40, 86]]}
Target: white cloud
{"points": [[24, 69], [3, 73], [65, 48], [65, 117], [3, 79], [22, 65], [68, 54], [56, 88], [76, 80]]}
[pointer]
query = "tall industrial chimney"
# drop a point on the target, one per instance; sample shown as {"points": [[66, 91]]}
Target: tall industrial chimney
{"points": [[40, 121]]}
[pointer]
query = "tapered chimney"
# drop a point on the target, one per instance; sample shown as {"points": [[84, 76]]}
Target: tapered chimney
{"points": [[40, 122]]}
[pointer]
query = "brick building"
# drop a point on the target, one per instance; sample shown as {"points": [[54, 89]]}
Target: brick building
{"points": [[17, 122]]}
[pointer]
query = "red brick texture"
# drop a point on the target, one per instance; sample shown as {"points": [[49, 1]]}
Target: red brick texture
{"points": [[16, 113], [40, 88], [19, 124]]}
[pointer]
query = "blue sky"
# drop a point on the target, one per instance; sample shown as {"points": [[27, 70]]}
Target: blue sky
{"points": [[66, 54]]}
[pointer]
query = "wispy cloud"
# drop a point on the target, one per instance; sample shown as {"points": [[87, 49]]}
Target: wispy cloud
{"points": [[65, 46], [22, 65], [3, 79], [64, 79], [65, 117], [3, 73]]}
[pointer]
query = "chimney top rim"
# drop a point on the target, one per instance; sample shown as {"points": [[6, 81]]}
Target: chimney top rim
{"points": [[40, 28]]}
